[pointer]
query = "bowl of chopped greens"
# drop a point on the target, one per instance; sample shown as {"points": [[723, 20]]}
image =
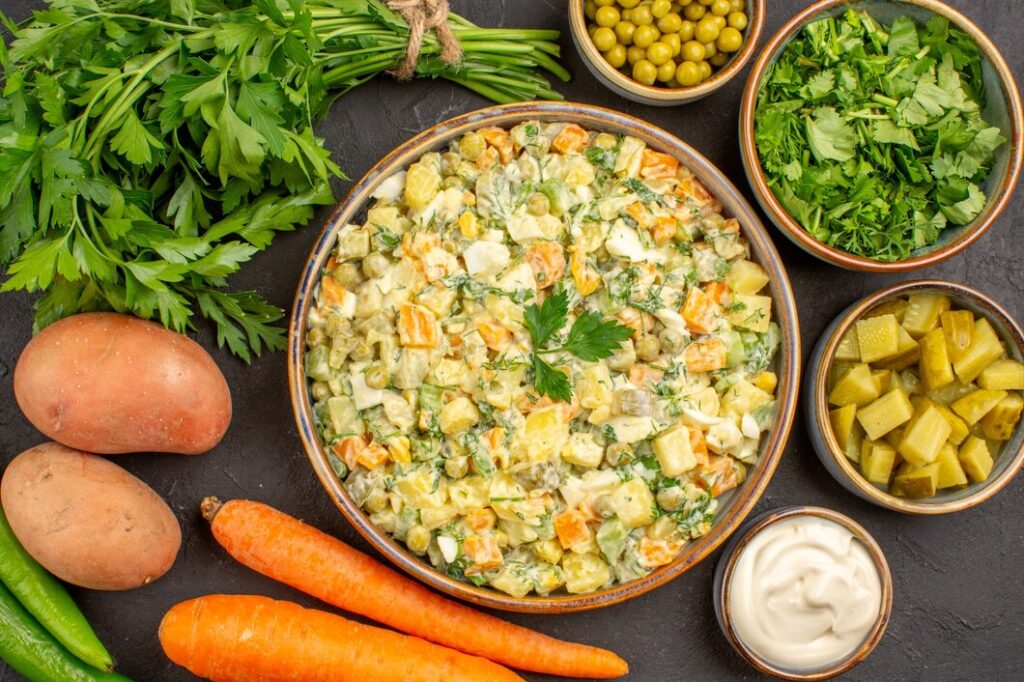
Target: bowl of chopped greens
{"points": [[881, 136]]}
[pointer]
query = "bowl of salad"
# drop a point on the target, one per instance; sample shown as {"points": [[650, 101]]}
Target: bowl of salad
{"points": [[544, 357], [881, 136]]}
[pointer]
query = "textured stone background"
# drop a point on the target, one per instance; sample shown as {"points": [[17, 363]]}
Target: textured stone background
{"points": [[959, 587]]}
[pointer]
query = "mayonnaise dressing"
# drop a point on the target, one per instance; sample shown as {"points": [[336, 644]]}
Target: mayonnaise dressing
{"points": [[804, 593]]}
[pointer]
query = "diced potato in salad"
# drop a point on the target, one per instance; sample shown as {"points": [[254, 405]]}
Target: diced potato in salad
{"points": [[421, 372]]}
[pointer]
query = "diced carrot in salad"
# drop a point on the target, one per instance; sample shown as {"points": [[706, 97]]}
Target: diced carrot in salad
{"points": [[572, 138], [655, 165], [547, 260], [571, 528], [417, 327], [700, 311]]}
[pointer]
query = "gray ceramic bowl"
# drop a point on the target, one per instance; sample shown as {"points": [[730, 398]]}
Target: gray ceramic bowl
{"points": [[656, 95], [723, 575], [815, 400], [1003, 109]]}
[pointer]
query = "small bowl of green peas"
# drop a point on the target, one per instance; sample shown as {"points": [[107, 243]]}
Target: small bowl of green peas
{"points": [[666, 52]]}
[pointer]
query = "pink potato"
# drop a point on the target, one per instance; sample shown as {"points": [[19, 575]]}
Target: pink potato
{"points": [[87, 520], [111, 383]]}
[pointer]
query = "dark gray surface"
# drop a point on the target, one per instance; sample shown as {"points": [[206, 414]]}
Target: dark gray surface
{"points": [[959, 583]]}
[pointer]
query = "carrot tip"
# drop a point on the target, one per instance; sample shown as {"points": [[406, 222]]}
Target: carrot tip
{"points": [[209, 507]]}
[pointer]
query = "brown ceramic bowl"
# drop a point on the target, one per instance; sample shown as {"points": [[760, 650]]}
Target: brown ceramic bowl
{"points": [[734, 507], [1003, 110], [723, 578], [623, 85], [819, 369]]}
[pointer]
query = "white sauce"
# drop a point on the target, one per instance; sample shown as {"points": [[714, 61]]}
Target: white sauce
{"points": [[804, 593]]}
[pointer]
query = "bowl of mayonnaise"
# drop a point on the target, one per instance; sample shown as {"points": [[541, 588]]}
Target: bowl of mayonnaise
{"points": [[803, 593]]}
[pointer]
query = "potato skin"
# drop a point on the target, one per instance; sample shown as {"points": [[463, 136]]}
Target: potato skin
{"points": [[87, 520], [111, 383]]}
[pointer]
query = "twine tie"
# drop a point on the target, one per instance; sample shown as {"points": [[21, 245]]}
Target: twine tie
{"points": [[422, 16]]}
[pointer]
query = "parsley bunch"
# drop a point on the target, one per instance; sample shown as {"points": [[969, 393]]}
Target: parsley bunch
{"points": [[591, 338], [873, 139], [150, 148]]}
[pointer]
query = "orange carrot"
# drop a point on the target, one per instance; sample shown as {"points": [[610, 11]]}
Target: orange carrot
{"points": [[289, 551], [228, 638]]}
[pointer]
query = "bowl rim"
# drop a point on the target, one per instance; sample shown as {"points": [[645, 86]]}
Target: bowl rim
{"points": [[819, 382], [794, 231], [727, 565], [763, 250], [662, 95]]}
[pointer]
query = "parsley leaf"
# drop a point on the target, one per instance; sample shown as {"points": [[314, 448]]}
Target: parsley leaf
{"points": [[593, 338], [590, 338], [829, 136], [544, 320], [550, 381]]}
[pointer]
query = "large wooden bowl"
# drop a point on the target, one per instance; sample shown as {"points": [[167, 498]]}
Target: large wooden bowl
{"points": [[734, 506]]}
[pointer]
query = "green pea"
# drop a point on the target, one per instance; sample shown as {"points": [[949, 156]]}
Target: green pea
{"points": [[670, 23], [707, 30], [604, 38], [692, 52], [659, 53], [738, 20], [616, 56], [694, 11], [645, 72], [607, 17], [672, 40], [660, 8], [687, 30], [688, 74], [624, 31], [721, 7], [667, 71], [645, 36], [642, 15], [729, 40]]}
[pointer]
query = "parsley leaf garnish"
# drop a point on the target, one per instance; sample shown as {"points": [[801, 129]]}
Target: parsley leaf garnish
{"points": [[544, 320], [550, 381], [591, 338]]}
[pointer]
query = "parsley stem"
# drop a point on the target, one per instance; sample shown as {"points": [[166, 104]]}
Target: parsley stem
{"points": [[129, 96], [882, 99]]}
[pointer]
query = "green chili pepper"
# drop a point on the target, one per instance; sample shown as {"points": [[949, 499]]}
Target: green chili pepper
{"points": [[46, 599], [33, 652]]}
